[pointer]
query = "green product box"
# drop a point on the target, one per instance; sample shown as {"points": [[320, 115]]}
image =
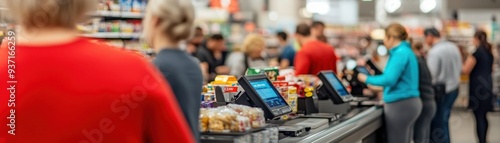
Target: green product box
{"points": [[271, 72]]}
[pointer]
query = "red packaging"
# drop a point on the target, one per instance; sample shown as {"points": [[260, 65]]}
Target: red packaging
{"points": [[282, 87]]}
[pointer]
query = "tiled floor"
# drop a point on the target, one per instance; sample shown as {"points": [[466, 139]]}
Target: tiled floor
{"points": [[463, 128]]}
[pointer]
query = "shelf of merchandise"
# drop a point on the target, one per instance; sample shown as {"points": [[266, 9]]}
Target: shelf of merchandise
{"points": [[113, 35], [118, 14]]}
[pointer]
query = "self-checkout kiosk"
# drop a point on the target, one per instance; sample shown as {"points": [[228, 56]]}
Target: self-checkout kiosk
{"points": [[333, 97], [260, 92]]}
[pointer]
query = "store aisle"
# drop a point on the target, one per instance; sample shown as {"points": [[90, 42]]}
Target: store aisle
{"points": [[463, 128]]}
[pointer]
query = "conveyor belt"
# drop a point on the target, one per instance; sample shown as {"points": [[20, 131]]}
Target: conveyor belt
{"points": [[351, 129]]}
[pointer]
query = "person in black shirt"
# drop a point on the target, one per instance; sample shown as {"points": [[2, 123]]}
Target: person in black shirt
{"points": [[422, 129], [213, 57], [195, 42], [479, 68]]}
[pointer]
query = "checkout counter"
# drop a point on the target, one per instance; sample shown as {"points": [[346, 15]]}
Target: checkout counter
{"points": [[335, 118], [361, 124]]}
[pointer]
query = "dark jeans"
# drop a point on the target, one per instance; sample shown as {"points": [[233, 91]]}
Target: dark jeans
{"points": [[440, 132]]}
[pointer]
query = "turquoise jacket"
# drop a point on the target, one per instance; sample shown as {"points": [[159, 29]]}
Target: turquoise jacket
{"points": [[400, 77]]}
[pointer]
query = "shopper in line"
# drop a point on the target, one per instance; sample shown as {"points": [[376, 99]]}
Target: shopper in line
{"points": [[400, 81], [195, 42], [315, 56], [213, 57], [165, 24], [73, 90], [423, 125], [250, 57], [287, 55], [479, 68], [445, 63], [318, 30]]}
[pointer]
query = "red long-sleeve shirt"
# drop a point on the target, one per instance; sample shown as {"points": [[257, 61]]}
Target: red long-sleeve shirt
{"points": [[315, 56], [85, 92]]}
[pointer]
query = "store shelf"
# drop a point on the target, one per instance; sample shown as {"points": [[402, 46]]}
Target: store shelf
{"points": [[118, 14], [113, 35]]}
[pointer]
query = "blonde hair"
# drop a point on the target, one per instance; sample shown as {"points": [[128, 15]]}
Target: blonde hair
{"points": [[251, 42], [176, 17], [397, 31], [35, 14]]}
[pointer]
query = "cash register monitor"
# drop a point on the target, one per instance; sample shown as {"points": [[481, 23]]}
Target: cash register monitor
{"points": [[332, 88], [260, 92]]}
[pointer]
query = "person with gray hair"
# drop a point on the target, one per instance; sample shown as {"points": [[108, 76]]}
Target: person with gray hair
{"points": [[445, 63], [166, 23]]}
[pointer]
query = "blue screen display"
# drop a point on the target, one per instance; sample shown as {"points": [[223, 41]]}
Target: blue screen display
{"points": [[267, 93], [337, 85], [363, 70]]}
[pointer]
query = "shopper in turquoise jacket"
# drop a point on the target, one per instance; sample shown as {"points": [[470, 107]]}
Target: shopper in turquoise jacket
{"points": [[400, 81]]}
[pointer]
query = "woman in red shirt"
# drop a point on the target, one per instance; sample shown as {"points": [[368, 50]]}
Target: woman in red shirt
{"points": [[62, 88]]}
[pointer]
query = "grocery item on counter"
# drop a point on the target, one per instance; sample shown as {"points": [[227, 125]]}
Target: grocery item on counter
{"points": [[204, 119], [257, 138], [223, 120], [292, 98], [225, 80], [234, 118], [273, 135], [282, 86], [256, 115], [271, 72]]}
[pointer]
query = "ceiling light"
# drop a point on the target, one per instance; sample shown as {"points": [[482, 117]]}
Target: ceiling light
{"points": [[273, 16], [305, 13], [381, 50], [392, 5], [351, 64], [319, 7], [427, 5]]}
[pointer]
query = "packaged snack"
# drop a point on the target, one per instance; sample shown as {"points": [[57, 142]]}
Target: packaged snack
{"points": [[241, 124], [273, 135], [256, 115], [204, 120], [271, 72], [282, 87], [292, 98], [223, 120]]}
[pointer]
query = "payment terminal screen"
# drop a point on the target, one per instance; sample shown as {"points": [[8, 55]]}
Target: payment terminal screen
{"points": [[266, 92], [337, 85], [363, 70]]}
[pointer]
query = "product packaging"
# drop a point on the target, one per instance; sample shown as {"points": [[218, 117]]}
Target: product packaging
{"points": [[282, 86], [256, 115], [137, 6], [292, 98], [271, 72], [126, 5]]}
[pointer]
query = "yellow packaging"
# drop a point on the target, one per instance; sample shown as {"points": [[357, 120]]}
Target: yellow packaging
{"points": [[225, 80], [292, 98]]}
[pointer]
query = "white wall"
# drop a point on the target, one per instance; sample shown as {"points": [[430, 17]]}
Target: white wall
{"points": [[478, 16]]}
